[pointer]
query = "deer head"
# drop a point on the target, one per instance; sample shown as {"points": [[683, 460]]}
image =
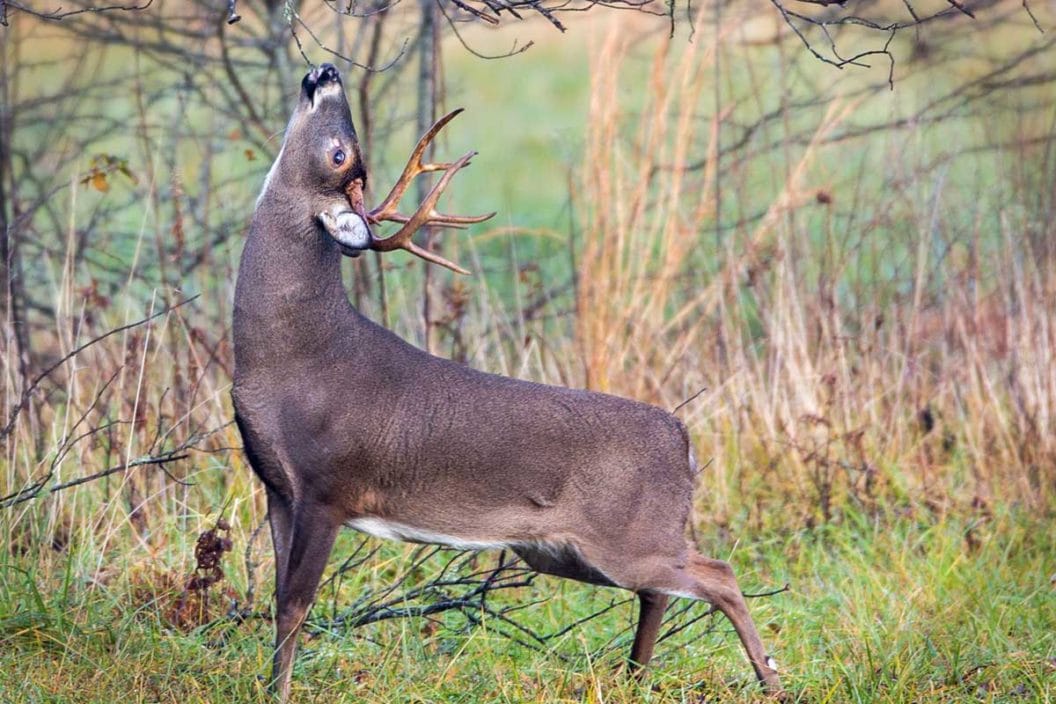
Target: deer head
{"points": [[321, 159]]}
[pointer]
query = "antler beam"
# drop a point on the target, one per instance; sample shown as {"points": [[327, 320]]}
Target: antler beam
{"points": [[426, 214]]}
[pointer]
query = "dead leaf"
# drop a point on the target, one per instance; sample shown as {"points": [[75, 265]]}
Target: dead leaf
{"points": [[99, 182]]}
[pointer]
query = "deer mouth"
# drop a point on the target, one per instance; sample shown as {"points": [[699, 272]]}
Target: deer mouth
{"points": [[348, 229], [321, 81]]}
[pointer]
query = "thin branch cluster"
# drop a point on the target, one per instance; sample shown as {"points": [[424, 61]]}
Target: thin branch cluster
{"points": [[827, 17]]}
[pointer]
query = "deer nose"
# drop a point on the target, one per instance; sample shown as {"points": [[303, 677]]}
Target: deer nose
{"points": [[328, 73], [323, 73], [320, 76]]}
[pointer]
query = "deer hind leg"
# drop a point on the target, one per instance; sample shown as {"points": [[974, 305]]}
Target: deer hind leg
{"points": [[697, 577], [311, 540], [714, 582], [650, 615]]}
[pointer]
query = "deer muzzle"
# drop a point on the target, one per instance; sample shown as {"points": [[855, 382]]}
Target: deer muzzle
{"points": [[321, 80], [347, 228]]}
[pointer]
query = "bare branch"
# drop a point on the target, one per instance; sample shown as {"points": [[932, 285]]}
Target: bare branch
{"points": [[35, 489], [59, 14], [465, 45], [831, 15]]}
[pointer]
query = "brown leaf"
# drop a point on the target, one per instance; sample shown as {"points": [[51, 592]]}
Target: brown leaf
{"points": [[99, 182]]}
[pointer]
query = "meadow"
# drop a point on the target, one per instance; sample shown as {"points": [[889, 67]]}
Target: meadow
{"points": [[846, 290]]}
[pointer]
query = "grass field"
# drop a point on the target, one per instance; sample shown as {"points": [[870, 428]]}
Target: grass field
{"points": [[852, 289], [903, 608]]}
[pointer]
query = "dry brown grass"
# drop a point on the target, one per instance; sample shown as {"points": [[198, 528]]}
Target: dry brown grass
{"points": [[818, 389]]}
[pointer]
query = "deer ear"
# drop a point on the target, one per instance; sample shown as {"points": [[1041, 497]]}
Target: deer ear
{"points": [[347, 228]]}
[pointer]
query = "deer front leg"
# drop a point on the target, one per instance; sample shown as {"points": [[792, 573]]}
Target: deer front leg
{"points": [[310, 544], [281, 521], [650, 617]]}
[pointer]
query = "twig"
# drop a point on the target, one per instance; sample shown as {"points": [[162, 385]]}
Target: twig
{"points": [[374, 69], [962, 8], [251, 569], [35, 490], [179, 452], [758, 595], [60, 14], [689, 400], [465, 45], [1030, 13]]}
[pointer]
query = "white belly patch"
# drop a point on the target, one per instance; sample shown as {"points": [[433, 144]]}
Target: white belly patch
{"points": [[391, 530]]}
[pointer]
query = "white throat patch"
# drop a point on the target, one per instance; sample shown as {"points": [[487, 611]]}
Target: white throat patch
{"points": [[271, 173]]}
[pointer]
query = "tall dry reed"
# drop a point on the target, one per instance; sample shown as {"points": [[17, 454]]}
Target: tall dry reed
{"points": [[868, 351]]}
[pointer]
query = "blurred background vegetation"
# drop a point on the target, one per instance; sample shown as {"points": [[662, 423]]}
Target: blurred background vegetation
{"points": [[823, 232]]}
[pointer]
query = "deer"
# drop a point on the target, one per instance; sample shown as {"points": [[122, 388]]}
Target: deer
{"points": [[346, 424]]}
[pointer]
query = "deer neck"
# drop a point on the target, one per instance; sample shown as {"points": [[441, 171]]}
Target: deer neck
{"points": [[290, 301]]}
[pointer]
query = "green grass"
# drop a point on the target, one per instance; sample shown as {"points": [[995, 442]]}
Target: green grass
{"points": [[906, 608]]}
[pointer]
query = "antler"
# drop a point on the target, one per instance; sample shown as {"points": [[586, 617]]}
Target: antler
{"points": [[426, 214]]}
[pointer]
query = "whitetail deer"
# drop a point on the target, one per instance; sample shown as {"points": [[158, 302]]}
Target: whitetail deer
{"points": [[347, 424]]}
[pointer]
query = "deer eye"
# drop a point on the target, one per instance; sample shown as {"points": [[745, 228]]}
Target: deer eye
{"points": [[339, 157]]}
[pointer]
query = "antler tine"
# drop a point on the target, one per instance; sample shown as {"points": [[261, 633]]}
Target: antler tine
{"points": [[425, 212], [433, 257], [413, 168], [457, 222]]}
